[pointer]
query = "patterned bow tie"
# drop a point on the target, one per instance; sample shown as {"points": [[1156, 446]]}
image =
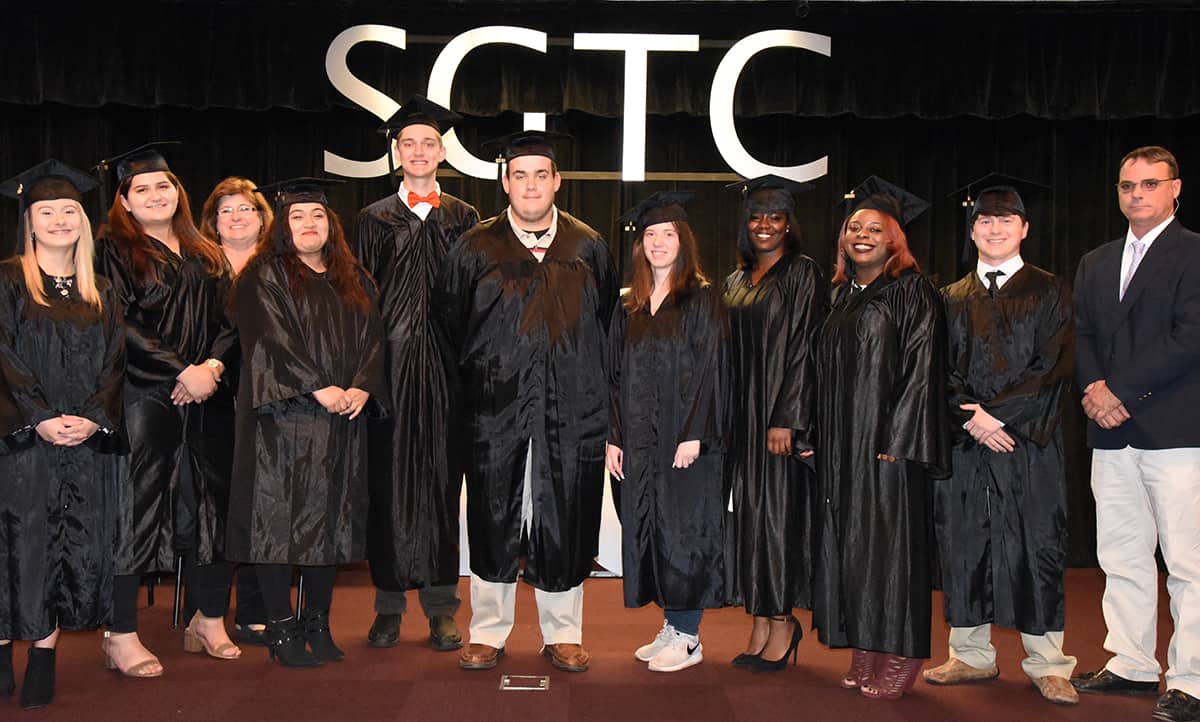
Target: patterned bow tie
{"points": [[432, 199]]}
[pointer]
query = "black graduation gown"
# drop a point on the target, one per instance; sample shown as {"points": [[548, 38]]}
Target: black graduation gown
{"points": [[174, 485], [58, 505], [415, 478], [669, 381], [529, 338], [299, 488], [1001, 518], [769, 534], [881, 365]]}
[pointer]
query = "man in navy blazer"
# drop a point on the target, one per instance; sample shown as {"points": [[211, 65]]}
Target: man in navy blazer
{"points": [[1137, 359]]}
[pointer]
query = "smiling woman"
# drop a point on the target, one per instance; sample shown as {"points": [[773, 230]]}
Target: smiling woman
{"points": [[172, 284]]}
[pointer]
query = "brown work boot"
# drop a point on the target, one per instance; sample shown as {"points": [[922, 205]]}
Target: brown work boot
{"points": [[1057, 689], [480, 656], [567, 657], [956, 671]]}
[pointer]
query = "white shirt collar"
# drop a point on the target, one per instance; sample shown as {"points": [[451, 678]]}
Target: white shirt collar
{"points": [[532, 240], [1008, 269], [1150, 236]]}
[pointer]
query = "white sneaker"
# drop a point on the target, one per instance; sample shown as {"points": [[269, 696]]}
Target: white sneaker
{"points": [[646, 652], [683, 651]]}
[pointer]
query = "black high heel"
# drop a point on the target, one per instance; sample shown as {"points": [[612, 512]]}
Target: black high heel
{"points": [[37, 689], [285, 643], [316, 632], [762, 664], [7, 683]]}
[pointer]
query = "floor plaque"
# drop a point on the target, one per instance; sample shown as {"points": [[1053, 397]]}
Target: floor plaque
{"points": [[525, 682]]}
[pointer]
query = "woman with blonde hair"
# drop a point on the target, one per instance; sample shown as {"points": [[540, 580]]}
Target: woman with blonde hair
{"points": [[172, 283], [62, 357]]}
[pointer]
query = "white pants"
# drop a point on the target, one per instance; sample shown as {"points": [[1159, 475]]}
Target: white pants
{"points": [[494, 606], [1043, 652], [1144, 498]]}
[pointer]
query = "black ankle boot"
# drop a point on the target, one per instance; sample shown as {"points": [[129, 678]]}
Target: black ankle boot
{"points": [[7, 684], [285, 642], [37, 690], [316, 631]]}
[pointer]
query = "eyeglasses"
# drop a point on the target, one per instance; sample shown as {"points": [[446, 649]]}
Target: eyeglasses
{"points": [[228, 211], [1149, 185]]}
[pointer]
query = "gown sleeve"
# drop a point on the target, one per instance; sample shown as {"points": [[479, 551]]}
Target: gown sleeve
{"points": [[370, 374], [616, 355], [608, 281], [918, 421], [23, 402], [704, 394], [367, 242], [104, 405], [274, 357], [807, 298], [1032, 404], [145, 350]]}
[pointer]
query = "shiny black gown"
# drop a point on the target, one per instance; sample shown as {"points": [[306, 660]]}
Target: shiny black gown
{"points": [[174, 487], [769, 533], [529, 342], [882, 370], [415, 477], [299, 488], [669, 383], [58, 505], [1001, 518]]}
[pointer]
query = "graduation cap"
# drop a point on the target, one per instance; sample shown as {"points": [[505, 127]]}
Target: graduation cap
{"points": [[142, 159], [770, 194], [49, 180], [875, 193], [995, 194], [298, 190], [419, 110], [526, 142], [661, 207]]}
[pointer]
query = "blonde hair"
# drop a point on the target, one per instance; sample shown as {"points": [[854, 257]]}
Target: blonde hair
{"points": [[85, 273]]}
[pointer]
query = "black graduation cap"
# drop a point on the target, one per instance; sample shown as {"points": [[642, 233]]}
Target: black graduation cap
{"points": [[525, 142], [875, 193], [661, 207], [143, 159], [419, 110], [49, 180], [995, 194], [770, 193], [298, 190]]}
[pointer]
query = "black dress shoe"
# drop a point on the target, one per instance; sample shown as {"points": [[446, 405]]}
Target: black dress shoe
{"points": [[286, 644], [1105, 682], [745, 659], [385, 632], [443, 633], [318, 636], [1177, 706]]}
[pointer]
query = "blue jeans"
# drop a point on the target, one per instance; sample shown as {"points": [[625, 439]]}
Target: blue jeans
{"points": [[686, 621]]}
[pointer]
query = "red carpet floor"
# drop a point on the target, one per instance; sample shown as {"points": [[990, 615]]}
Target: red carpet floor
{"points": [[412, 682]]}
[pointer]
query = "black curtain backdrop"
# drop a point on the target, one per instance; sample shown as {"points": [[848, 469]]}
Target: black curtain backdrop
{"points": [[928, 96]]}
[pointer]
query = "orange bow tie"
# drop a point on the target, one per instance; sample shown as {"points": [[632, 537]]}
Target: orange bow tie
{"points": [[432, 199]]}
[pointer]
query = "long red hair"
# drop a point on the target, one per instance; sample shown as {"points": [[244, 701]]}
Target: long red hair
{"points": [[686, 274], [899, 255], [128, 233]]}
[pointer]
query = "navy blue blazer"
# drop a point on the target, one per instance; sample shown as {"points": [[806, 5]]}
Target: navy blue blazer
{"points": [[1147, 345]]}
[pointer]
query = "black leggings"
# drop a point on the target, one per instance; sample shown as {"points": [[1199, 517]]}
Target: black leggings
{"points": [[276, 583], [207, 590]]}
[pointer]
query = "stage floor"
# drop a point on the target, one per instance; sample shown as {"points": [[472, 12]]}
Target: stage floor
{"points": [[411, 682]]}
